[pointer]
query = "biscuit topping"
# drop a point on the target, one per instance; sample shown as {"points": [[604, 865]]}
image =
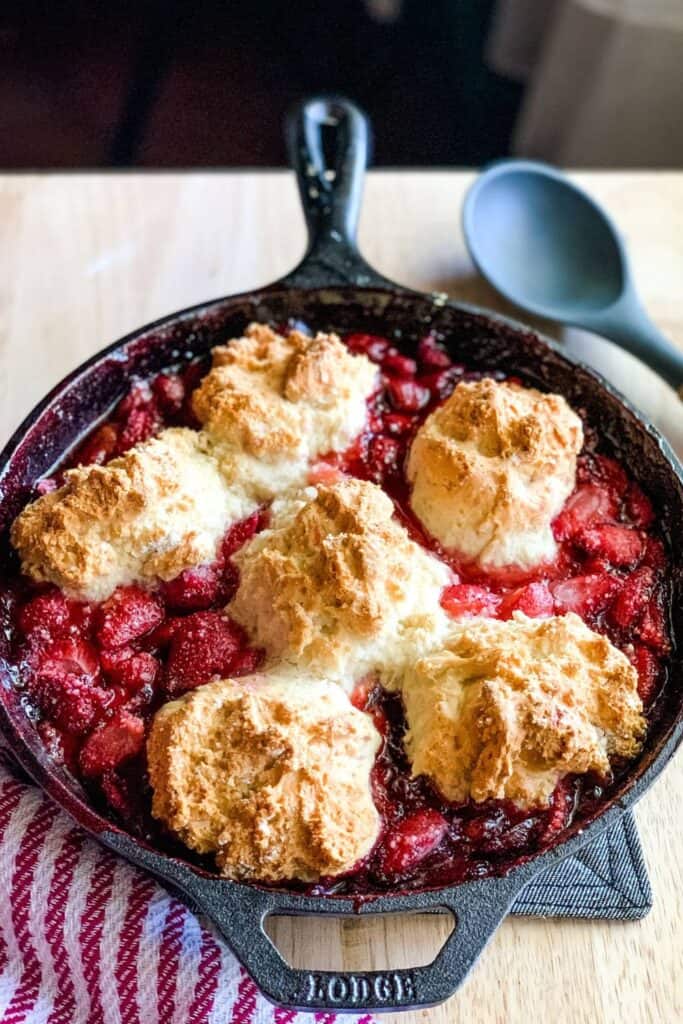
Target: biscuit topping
{"points": [[158, 509], [276, 396], [506, 708], [336, 584], [491, 468], [271, 775], [273, 402]]}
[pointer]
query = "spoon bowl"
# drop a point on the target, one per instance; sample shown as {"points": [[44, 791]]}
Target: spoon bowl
{"points": [[547, 246]]}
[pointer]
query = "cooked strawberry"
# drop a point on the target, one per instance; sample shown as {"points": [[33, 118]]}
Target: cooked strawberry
{"points": [[121, 795], [111, 743], [203, 645], [620, 545], [467, 600], [534, 600], [654, 629], [587, 506], [375, 425], [169, 391], [515, 837], [100, 447], [193, 589], [485, 830], [494, 832], [63, 684], [585, 595], [53, 615], [638, 507], [441, 384], [432, 354], [69, 655], [160, 638], [140, 425], [68, 699], [596, 565], [410, 841], [602, 469], [561, 806], [246, 661], [362, 690], [241, 532], [407, 395], [128, 614], [646, 664], [385, 455], [633, 597], [655, 555], [397, 365], [230, 580], [139, 397], [396, 424], [371, 345], [129, 668]]}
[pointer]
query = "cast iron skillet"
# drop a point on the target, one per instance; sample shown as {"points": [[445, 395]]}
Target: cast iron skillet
{"points": [[334, 288]]}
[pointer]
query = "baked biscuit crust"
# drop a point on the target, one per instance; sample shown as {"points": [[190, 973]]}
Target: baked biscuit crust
{"points": [[491, 468], [506, 708], [336, 584], [160, 508], [270, 775], [273, 396]]}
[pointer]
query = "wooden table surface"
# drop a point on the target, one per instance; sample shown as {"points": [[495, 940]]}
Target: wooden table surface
{"points": [[87, 258]]}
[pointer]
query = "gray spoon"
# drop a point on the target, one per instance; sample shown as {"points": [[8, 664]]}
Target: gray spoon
{"points": [[547, 246]]}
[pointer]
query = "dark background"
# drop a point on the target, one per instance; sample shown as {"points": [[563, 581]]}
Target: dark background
{"points": [[206, 84]]}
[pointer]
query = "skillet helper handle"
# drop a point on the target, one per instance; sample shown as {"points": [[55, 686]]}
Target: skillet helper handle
{"points": [[240, 913], [328, 140]]}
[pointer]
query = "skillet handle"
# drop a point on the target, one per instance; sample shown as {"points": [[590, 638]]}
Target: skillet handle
{"points": [[239, 913], [327, 139]]}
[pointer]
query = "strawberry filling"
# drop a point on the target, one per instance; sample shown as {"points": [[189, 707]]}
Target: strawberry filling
{"points": [[127, 615]]}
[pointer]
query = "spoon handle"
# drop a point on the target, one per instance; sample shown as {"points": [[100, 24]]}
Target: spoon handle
{"points": [[628, 325]]}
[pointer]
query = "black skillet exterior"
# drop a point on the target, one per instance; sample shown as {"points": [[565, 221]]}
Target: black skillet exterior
{"points": [[334, 287]]}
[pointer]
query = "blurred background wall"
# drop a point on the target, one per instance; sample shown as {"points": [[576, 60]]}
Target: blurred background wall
{"points": [[451, 82]]}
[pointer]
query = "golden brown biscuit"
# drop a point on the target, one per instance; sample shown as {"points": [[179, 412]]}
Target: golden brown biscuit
{"points": [[274, 396], [491, 468], [505, 708], [158, 509], [337, 585], [272, 775]]}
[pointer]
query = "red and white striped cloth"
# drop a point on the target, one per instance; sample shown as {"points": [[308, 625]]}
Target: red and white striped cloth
{"points": [[87, 939]]}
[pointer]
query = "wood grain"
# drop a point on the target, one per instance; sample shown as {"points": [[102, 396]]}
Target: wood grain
{"points": [[86, 258]]}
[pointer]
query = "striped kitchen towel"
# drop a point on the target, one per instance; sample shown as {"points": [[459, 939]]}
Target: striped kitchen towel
{"points": [[87, 939]]}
